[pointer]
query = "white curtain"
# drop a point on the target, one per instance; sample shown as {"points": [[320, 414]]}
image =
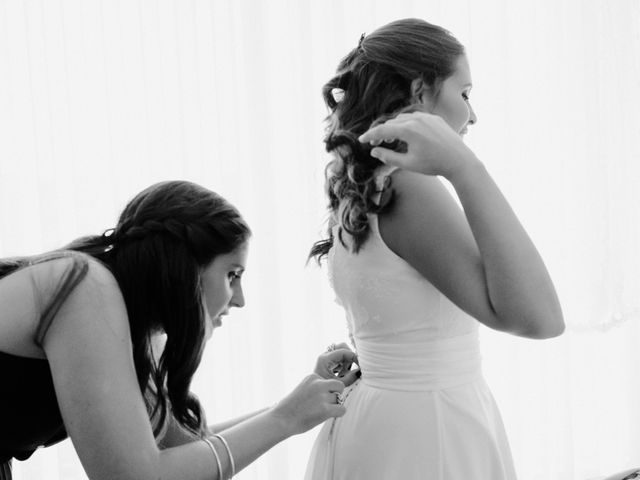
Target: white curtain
{"points": [[99, 99]]}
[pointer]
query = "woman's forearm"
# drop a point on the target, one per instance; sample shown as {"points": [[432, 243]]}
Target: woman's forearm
{"points": [[519, 286], [247, 441], [176, 435], [222, 426]]}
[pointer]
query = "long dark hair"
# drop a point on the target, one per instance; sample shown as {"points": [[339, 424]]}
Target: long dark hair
{"points": [[372, 81], [164, 238]]}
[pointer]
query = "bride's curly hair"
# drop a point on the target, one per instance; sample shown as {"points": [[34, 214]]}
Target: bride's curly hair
{"points": [[372, 83]]}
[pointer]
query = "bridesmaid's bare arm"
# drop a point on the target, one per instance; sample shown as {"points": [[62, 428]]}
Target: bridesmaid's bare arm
{"points": [[89, 349]]}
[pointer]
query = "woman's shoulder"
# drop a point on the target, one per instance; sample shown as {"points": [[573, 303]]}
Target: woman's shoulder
{"points": [[67, 265], [59, 274], [423, 219], [54, 276], [412, 180], [415, 194], [80, 291], [35, 292], [409, 201]]}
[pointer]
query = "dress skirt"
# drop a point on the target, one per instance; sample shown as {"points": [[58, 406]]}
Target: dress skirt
{"points": [[442, 424]]}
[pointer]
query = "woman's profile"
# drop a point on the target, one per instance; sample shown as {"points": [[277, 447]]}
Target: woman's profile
{"points": [[415, 273]]}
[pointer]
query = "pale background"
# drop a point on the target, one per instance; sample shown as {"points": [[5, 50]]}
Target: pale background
{"points": [[99, 99]]}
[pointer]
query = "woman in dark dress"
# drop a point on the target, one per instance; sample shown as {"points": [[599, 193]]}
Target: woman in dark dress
{"points": [[77, 327]]}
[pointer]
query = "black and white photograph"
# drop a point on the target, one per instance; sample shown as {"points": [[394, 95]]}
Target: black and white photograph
{"points": [[319, 240]]}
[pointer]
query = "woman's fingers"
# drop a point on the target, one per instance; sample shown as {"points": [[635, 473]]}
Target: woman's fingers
{"points": [[425, 144], [337, 410], [341, 355], [397, 128], [340, 361], [313, 401], [385, 155], [337, 397], [390, 130], [336, 362], [334, 392], [350, 377], [334, 386], [341, 364]]}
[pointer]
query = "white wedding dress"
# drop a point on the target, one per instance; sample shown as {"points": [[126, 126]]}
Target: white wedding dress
{"points": [[421, 409]]}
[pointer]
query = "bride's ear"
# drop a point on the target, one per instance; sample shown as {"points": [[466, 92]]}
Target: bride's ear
{"points": [[421, 93]]}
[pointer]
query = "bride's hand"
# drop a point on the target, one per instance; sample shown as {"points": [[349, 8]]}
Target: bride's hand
{"points": [[336, 363], [432, 146]]}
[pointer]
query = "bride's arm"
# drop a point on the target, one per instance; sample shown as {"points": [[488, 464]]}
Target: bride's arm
{"points": [[480, 258]]}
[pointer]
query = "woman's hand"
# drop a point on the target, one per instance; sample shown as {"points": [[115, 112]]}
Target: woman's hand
{"points": [[336, 362], [432, 147], [312, 402]]}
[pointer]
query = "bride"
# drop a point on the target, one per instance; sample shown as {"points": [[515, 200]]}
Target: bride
{"points": [[414, 272]]}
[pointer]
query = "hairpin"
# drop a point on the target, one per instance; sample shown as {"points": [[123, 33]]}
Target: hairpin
{"points": [[360, 41]]}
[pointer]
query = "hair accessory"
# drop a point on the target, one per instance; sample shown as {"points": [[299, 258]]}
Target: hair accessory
{"points": [[215, 454], [109, 235], [337, 94], [226, 446], [360, 41]]}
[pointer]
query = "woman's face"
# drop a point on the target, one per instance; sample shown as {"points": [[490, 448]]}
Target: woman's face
{"points": [[452, 100], [222, 287]]}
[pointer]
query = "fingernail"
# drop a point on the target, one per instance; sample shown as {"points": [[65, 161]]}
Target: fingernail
{"points": [[375, 153]]}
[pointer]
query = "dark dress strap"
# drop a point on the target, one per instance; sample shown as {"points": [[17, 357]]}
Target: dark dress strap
{"points": [[72, 276], [5, 471]]}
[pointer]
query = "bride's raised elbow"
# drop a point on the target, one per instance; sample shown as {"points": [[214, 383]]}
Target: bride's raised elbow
{"points": [[550, 331], [541, 329]]}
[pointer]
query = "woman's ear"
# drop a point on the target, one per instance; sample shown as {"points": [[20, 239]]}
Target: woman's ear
{"points": [[421, 93]]}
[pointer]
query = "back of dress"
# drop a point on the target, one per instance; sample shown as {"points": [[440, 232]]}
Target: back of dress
{"points": [[421, 408], [384, 296], [407, 334]]}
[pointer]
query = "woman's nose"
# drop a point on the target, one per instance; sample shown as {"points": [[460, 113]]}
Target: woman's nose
{"points": [[473, 119], [238, 297]]}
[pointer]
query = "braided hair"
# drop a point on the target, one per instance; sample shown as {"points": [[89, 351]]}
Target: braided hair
{"points": [[374, 81], [163, 240]]}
